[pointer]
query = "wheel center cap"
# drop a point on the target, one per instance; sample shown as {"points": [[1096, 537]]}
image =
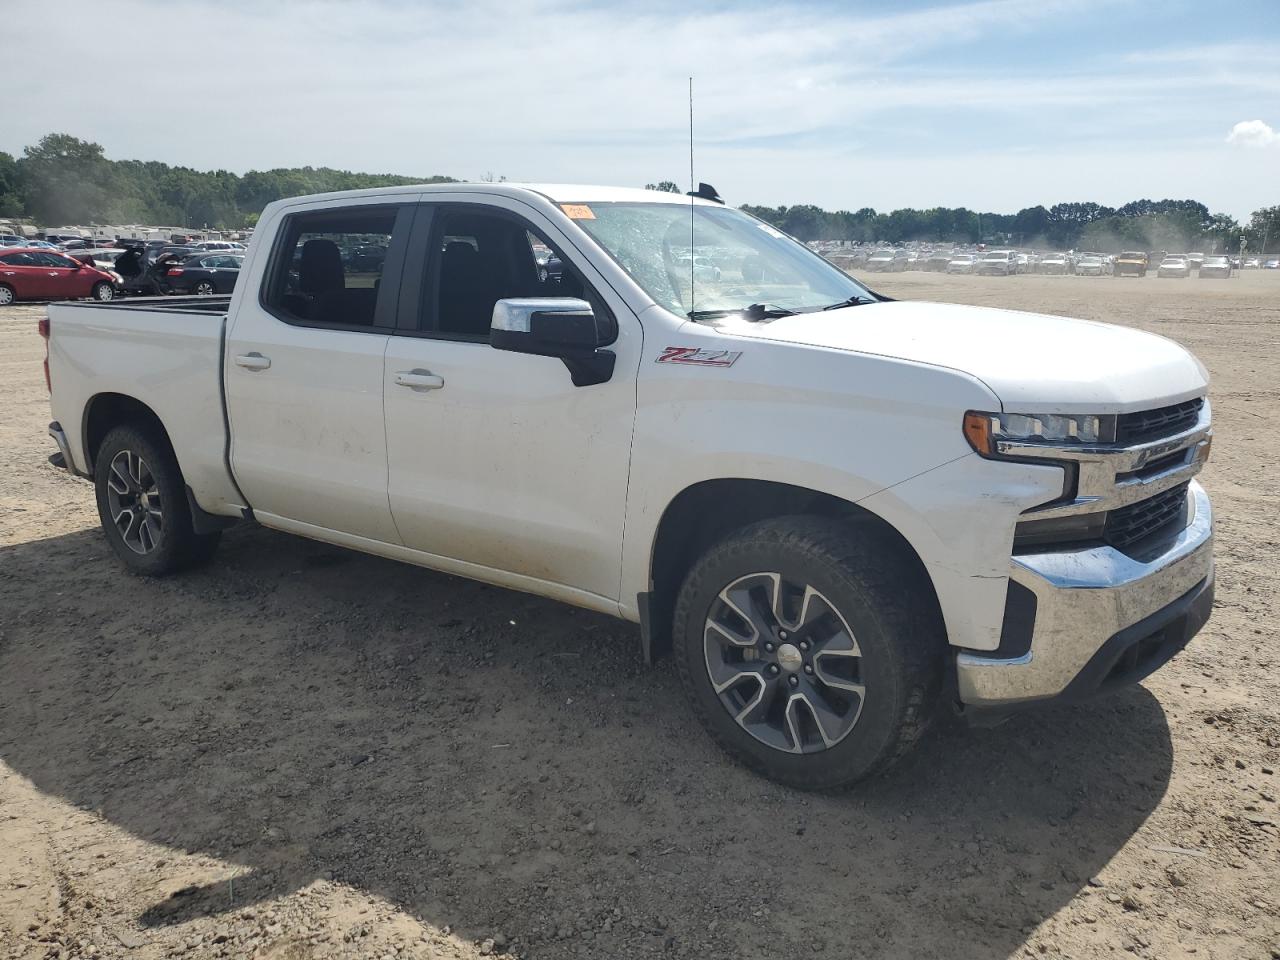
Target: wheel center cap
{"points": [[789, 658]]}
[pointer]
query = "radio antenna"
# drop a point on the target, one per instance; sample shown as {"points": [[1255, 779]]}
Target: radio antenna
{"points": [[693, 189]]}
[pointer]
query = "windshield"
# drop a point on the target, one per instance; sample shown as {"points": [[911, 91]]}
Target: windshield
{"points": [[737, 260]]}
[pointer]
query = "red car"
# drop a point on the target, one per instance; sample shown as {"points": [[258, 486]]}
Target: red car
{"points": [[27, 273]]}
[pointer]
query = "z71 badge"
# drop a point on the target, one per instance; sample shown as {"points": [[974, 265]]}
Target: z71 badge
{"points": [[699, 357]]}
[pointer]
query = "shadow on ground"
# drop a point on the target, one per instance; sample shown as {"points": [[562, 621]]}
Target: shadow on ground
{"points": [[493, 761]]}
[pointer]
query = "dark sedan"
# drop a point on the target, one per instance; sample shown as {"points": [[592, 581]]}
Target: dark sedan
{"points": [[204, 274]]}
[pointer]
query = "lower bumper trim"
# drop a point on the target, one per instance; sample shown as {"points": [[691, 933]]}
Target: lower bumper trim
{"points": [[1127, 658]]}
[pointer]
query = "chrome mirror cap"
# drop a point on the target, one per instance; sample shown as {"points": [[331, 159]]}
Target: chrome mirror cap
{"points": [[516, 314]]}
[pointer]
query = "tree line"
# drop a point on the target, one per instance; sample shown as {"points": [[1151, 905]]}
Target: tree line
{"points": [[1173, 225], [66, 180]]}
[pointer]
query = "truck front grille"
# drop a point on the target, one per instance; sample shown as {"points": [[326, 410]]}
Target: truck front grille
{"points": [[1127, 525], [1147, 425]]}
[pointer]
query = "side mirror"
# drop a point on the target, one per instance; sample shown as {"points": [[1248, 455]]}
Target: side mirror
{"points": [[553, 327]]}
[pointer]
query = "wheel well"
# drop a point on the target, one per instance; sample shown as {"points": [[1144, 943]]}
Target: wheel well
{"points": [[706, 512], [108, 410]]}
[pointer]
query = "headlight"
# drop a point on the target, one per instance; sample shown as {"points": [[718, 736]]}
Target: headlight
{"points": [[984, 431]]}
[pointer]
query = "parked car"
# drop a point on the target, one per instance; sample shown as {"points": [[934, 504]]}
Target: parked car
{"points": [[1131, 263], [143, 269], [227, 245], [101, 259], [1055, 264], [1001, 263], [203, 274], [1219, 267], [1252, 264], [12, 240], [28, 273], [1174, 267], [1271, 265], [1090, 266], [675, 458], [703, 268], [885, 261], [962, 263]]}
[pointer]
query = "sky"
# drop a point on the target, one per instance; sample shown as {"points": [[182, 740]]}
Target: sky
{"points": [[992, 105]]}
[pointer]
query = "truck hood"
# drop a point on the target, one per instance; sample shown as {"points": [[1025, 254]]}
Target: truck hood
{"points": [[1033, 362]]}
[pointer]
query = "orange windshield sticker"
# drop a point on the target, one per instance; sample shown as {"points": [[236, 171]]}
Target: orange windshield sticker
{"points": [[577, 211]]}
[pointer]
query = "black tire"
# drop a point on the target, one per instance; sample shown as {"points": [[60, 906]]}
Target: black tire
{"points": [[863, 575], [8, 296], [204, 288], [172, 545], [103, 292]]}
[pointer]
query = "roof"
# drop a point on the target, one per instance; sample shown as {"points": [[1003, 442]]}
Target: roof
{"points": [[554, 192]]}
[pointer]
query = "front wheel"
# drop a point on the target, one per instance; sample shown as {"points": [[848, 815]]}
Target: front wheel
{"points": [[103, 292], [810, 650], [143, 506]]}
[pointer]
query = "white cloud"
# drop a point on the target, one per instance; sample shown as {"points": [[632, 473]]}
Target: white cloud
{"points": [[1253, 133]]}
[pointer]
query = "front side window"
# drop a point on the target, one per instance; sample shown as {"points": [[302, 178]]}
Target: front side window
{"points": [[327, 266], [484, 257], [699, 259]]}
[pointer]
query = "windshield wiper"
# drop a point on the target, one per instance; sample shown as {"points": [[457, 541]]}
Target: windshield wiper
{"points": [[854, 301], [753, 312]]}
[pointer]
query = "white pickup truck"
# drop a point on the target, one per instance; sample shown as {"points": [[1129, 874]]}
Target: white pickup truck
{"points": [[838, 512]]}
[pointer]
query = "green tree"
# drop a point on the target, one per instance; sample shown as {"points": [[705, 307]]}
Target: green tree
{"points": [[65, 179], [664, 186], [1264, 230], [10, 196]]}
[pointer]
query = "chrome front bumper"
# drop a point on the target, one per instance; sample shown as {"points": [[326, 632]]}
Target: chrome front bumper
{"points": [[1092, 607]]}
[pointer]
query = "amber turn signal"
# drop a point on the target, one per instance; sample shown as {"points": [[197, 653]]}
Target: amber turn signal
{"points": [[977, 430]]}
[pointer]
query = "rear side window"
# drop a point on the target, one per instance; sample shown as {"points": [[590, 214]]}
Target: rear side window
{"points": [[326, 269], [18, 260]]}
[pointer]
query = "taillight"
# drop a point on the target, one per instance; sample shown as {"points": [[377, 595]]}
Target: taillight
{"points": [[173, 272], [43, 326]]}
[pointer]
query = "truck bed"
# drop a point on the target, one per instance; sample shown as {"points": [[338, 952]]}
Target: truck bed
{"points": [[165, 352]]}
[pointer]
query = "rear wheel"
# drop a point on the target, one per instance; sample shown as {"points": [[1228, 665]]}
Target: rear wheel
{"points": [[204, 289], [807, 652], [103, 291], [7, 296], [143, 506]]}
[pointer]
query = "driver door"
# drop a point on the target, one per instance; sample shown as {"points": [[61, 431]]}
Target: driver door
{"points": [[496, 461]]}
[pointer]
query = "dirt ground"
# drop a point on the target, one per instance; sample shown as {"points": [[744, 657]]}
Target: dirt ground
{"points": [[303, 752]]}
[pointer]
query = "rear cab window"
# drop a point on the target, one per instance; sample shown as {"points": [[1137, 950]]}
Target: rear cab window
{"points": [[327, 266]]}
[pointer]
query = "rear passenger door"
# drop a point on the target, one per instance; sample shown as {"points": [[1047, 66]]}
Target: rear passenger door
{"points": [[303, 371]]}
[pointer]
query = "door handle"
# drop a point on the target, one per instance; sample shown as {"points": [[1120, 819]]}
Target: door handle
{"points": [[253, 361], [419, 380]]}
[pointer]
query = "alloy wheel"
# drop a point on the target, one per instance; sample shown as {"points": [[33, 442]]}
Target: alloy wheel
{"points": [[784, 663], [134, 500], [6, 296]]}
